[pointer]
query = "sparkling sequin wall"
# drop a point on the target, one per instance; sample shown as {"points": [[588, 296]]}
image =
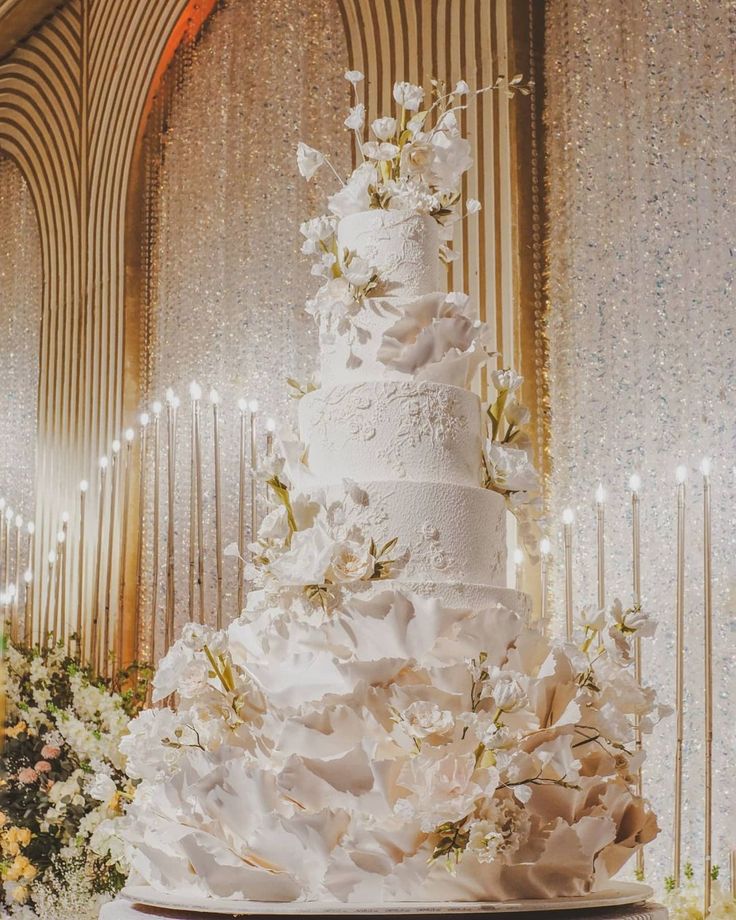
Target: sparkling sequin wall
{"points": [[642, 337], [20, 328], [226, 281]]}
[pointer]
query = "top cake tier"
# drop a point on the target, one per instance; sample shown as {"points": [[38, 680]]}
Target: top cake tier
{"points": [[403, 247]]}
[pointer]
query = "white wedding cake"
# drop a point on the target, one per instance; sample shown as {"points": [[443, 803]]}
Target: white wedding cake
{"points": [[383, 723]]}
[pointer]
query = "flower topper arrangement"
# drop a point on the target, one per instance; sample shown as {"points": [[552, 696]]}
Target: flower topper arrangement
{"points": [[412, 160]]}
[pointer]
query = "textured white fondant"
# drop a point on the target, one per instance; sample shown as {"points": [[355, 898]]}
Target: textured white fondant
{"points": [[402, 246], [420, 431], [450, 532]]}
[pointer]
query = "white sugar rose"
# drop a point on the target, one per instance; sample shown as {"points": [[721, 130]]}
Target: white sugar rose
{"points": [[308, 160], [451, 154], [485, 840], [351, 562], [354, 76], [408, 95], [356, 117], [384, 128], [516, 414], [275, 525], [473, 206], [461, 88], [508, 694], [416, 158], [354, 196]]}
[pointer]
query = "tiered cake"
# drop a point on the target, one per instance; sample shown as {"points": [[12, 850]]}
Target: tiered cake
{"points": [[383, 723]]}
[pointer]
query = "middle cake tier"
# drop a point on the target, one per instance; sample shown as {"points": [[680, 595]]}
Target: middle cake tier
{"points": [[444, 532], [408, 430]]}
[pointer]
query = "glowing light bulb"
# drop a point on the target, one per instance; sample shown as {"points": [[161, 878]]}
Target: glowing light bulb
{"points": [[156, 408], [600, 494], [567, 516], [144, 418], [518, 556], [705, 466], [243, 405], [103, 463], [116, 446], [28, 576], [129, 434], [545, 546], [31, 528], [52, 557], [65, 517], [214, 397], [253, 406], [270, 425], [83, 485], [170, 396], [635, 482], [195, 391], [60, 537], [18, 521], [9, 515], [681, 474]]}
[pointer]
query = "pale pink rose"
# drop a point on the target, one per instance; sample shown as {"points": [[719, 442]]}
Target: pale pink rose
{"points": [[43, 766], [49, 752], [27, 776]]}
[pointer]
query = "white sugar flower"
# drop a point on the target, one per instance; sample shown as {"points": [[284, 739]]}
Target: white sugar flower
{"points": [[354, 76], [308, 160], [423, 718], [485, 840], [318, 229], [591, 618], [356, 117], [508, 694], [308, 559], [633, 620], [384, 128], [382, 152], [510, 468], [354, 196], [350, 562], [358, 272], [275, 525], [506, 379], [473, 206], [461, 88], [516, 414], [102, 788], [408, 95]]}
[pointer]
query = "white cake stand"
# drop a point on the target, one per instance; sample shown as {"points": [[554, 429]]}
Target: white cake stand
{"points": [[139, 902]]}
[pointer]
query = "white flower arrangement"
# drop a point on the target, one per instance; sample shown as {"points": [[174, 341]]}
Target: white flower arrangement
{"points": [[62, 786], [463, 734], [508, 456]]}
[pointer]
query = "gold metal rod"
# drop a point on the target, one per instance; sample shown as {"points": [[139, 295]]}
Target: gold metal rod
{"points": [[679, 686], [119, 623], [218, 509], [138, 623], [171, 535], [253, 474], [94, 635], [636, 569], [155, 536], [81, 597], [708, 716], [105, 662], [30, 567], [192, 510], [569, 622], [601, 550], [200, 517], [16, 582], [241, 512]]}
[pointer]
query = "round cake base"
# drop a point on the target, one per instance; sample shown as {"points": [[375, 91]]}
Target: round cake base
{"points": [[625, 902]]}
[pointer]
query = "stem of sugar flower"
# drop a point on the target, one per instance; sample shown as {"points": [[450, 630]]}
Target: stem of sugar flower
{"points": [[337, 174], [226, 683]]}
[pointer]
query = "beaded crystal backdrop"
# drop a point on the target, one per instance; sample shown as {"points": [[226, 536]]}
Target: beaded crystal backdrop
{"points": [[226, 281], [20, 337], [642, 335]]}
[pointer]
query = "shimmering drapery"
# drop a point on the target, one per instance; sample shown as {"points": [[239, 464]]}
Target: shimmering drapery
{"points": [[20, 337], [642, 332], [226, 281]]}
